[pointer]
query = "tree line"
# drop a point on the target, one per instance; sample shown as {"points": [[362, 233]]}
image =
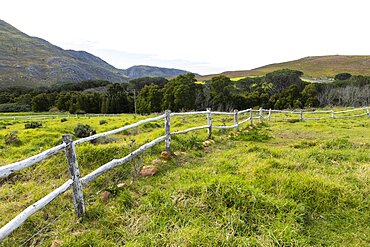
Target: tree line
{"points": [[281, 89]]}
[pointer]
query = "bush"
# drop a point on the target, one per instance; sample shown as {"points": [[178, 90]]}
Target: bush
{"points": [[12, 139], [63, 120], [101, 122], [14, 107], [33, 125], [84, 130]]}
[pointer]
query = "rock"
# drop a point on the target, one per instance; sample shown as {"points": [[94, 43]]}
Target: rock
{"points": [[120, 185], [156, 162], [166, 155], [148, 171], [105, 196], [56, 243], [207, 143]]}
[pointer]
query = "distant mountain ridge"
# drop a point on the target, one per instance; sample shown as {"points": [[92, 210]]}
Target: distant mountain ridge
{"points": [[138, 71], [31, 61], [314, 67]]}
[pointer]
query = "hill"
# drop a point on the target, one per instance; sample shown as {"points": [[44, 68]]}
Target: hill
{"points": [[150, 71], [313, 67], [31, 61]]}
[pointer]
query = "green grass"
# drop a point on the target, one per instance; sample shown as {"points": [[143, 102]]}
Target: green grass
{"points": [[275, 184]]}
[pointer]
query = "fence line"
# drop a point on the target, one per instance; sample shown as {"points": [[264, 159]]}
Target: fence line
{"points": [[76, 182], [38, 117]]}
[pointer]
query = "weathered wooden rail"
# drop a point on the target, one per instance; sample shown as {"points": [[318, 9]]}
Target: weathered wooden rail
{"points": [[76, 182]]}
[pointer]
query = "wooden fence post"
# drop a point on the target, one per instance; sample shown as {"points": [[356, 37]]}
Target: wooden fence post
{"points": [[301, 115], [236, 122], [332, 113], [367, 111], [167, 129], [209, 122], [251, 115], [260, 115], [269, 117], [74, 172]]}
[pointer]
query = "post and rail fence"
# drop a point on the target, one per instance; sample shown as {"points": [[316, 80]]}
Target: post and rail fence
{"points": [[76, 182]]}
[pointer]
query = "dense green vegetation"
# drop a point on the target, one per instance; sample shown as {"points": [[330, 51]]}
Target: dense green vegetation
{"points": [[275, 184], [282, 89]]}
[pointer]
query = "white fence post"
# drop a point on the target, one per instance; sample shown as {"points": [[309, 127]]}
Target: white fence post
{"points": [[301, 115], [260, 115], [209, 122], [167, 129], [269, 117], [367, 111], [79, 204], [236, 122], [332, 113], [251, 116]]}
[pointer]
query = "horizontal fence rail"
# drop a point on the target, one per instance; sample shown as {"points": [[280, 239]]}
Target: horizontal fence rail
{"points": [[69, 146], [17, 166], [115, 131]]}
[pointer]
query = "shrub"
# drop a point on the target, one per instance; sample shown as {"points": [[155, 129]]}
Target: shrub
{"points": [[33, 125], [63, 120], [84, 130], [12, 139], [14, 107], [101, 122], [2, 127]]}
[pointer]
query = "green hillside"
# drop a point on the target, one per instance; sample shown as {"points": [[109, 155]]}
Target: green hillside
{"points": [[275, 184], [313, 67]]}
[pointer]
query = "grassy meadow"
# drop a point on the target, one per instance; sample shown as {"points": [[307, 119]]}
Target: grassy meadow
{"points": [[280, 183]]}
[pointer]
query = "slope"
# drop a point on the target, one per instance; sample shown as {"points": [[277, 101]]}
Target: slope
{"points": [[277, 184], [313, 67], [26, 60], [151, 71]]}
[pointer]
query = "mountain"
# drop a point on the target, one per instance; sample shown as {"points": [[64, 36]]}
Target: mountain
{"points": [[144, 70], [313, 67], [31, 61]]}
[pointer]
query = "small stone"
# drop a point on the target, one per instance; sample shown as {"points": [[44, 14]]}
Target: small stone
{"points": [[105, 196], [156, 162], [56, 243], [148, 171], [120, 185], [166, 155], [206, 143]]}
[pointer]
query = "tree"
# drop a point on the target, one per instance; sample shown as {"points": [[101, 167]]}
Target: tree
{"points": [[41, 103], [118, 98], [149, 99], [281, 79], [140, 83], [180, 93], [309, 95], [342, 76], [221, 92]]}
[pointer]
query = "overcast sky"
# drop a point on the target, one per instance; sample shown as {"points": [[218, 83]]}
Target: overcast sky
{"points": [[202, 36]]}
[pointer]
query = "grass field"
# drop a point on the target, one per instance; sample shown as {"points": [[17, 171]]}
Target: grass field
{"points": [[274, 184]]}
